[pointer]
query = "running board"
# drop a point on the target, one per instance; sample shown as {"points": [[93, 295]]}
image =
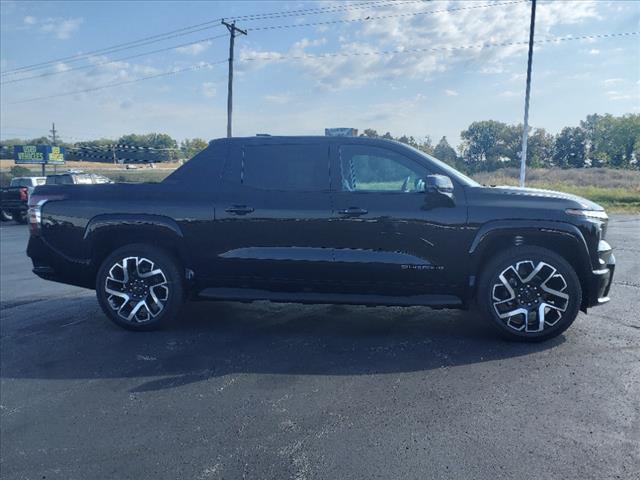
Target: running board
{"points": [[250, 295]]}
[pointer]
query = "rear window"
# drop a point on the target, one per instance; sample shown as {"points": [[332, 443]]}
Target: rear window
{"points": [[83, 179], [59, 180], [286, 167], [19, 182], [40, 181]]}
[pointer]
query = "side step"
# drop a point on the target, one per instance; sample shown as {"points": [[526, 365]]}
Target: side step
{"points": [[250, 295]]}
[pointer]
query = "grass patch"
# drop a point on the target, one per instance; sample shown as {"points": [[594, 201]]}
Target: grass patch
{"points": [[618, 191], [614, 200]]}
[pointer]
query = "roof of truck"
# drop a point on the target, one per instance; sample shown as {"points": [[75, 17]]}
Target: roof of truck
{"points": [[282, 139]]}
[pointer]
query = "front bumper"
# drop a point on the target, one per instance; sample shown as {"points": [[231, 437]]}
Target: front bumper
{"points": [[601, 279]]}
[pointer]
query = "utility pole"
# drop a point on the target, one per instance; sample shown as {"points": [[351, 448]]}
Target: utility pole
{"points": [[232, 31], [525, 131], [53, 132], [54, 140]]}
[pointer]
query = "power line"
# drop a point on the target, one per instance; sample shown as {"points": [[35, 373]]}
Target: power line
{"points": [[199, 66], [339, 54], [273, 27], [186, 31], [116, 60], [436, 49], [103, 52], [321, 10], [384, 17]]}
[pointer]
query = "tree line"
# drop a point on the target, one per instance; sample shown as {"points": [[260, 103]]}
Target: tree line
{"points": [[598, 141], [150, 147]]}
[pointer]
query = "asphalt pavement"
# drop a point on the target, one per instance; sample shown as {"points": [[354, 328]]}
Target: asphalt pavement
{"points": [[281, 391]]}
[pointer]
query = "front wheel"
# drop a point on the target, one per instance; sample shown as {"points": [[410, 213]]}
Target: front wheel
{"points": [[20, 217], [139, 287], [529, 294]]}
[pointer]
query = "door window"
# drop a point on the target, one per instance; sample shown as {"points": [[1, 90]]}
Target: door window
{"points": [[286, 167], [374, 169]]}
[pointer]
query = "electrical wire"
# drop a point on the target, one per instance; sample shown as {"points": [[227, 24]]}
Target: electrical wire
{"points": [[116, 60], [192, 29], [338, 54], [383, 17], [196, 67]]}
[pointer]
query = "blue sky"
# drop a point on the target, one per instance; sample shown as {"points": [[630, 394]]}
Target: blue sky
{"points": [[428, 89]]}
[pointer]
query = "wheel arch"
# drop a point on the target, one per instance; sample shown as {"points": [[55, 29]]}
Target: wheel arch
{"points": [[564, 239], [106, 233]]}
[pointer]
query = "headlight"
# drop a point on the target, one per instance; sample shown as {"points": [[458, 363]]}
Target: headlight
{"points": [[600, 214]]}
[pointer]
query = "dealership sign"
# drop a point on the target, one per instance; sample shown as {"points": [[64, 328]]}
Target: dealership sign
{"points": [[38, 154]]}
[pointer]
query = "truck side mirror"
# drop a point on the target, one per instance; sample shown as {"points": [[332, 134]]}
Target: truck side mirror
{"points": [[439, 185]]}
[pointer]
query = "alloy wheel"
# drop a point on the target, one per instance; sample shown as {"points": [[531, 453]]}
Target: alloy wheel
{"points": [[137, 290], [530, 296]]}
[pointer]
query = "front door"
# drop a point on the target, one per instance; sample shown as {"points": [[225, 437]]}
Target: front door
{"points": [[390, 237]]}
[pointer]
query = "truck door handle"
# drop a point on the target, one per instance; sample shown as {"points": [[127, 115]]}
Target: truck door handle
{"points": [[353, 211], [239, 209]]}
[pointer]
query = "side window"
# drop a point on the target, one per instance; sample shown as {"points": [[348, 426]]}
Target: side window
{"points": [[286, 167], [374, 169]]}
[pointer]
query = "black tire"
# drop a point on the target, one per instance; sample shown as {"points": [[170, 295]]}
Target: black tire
{"points": [[20, 217], [141, 260], [5, 216], [543, 292]]}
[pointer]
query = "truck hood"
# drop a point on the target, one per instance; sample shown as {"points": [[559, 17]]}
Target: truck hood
{"points": [[535, 197]]}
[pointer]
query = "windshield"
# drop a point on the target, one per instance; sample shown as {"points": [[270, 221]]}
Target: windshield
{"points": [[452, 172]]}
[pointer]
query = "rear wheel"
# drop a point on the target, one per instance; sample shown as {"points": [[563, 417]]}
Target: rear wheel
{"points": [[529, 294], [139, 287], [5, 216]]}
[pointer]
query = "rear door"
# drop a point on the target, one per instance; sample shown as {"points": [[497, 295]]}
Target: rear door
{"points": [[272, 212]]}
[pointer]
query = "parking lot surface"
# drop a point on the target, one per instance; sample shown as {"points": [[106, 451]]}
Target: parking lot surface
{"points": [[276, 391]]}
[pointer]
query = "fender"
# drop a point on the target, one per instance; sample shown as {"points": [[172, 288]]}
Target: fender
{"points": [[492, 229], [139, 223]]}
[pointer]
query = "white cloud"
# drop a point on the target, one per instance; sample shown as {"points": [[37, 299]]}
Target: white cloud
{"points": [[451, 93], [209, 89], [195, 49], [279, 98], [61, 28], [594, 51], [613, 81], [616, 95], [430, 43], [30, 20]]}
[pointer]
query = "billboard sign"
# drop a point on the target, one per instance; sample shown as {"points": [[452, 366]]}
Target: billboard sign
{"points": [[38, 155], [341, 132]]}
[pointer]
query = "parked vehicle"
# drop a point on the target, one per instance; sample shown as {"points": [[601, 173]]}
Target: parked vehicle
{"points": [[325, 220], [76, 177], [14, 198]]}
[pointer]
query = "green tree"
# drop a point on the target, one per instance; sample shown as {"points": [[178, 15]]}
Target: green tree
{"points": [[483, 144], [540, 148], [191, 147], [445, 152], [369, 132], [570, 149], [164, 147]]}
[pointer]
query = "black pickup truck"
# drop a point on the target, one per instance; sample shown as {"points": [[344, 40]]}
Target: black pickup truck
{"points": [[325, 220]]}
